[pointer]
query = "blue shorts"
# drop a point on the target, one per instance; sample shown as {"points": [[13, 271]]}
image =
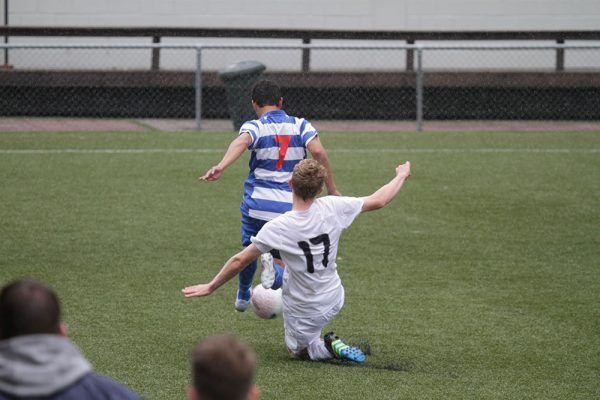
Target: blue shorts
{"points": [[250, 227]]}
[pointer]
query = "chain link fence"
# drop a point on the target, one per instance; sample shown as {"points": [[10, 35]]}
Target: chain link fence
{"points": [[488, 81]]}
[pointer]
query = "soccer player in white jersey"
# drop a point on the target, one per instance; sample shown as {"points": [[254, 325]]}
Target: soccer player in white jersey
{"points": [[307, 238], [277, 142]]}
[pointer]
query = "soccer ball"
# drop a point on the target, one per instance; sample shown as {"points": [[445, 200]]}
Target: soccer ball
{"points": [[266, 303]]}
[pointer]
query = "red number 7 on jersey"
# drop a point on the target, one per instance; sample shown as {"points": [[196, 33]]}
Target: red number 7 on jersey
{"points": [[284, 143]]}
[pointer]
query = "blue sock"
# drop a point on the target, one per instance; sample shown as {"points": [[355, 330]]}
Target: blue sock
{"points": [[278, 277], [245, 278]]}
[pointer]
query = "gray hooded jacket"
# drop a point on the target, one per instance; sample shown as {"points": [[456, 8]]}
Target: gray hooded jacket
{"points": [[45, 365]]}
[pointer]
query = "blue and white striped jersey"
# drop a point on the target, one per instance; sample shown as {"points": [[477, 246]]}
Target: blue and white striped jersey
{"points": [[278, 143]]}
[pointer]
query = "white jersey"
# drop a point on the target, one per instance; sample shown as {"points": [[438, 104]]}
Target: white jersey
{"points": [[308, 244]]}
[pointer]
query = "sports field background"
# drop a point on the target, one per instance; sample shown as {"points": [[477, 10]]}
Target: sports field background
{"points": [[481, 280]]}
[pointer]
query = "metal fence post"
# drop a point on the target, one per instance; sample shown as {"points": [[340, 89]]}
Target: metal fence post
{"points": [[560, 56], [6, 36], [155, 66], [410, 56], [419, 84], [198, 87], [305, 56]]}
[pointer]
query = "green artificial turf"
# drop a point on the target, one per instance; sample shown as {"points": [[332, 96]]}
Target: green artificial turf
{"points": [[480, 280]]}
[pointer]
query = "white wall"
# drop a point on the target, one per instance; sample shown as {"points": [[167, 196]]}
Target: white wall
{"points": [[314, 14]]}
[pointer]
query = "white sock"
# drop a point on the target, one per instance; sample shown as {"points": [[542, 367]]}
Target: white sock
{"points": [[318, 351]]}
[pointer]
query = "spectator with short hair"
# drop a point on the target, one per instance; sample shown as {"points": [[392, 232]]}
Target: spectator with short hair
{"points": [[223, 368], [37, 360]]}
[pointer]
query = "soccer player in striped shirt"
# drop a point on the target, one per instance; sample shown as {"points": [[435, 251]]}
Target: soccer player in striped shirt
{"points": [[277, 142], [308, 239]]}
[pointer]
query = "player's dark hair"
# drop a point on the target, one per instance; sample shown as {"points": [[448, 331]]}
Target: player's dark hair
{"points": [[28, 307], [223, 367], [308, 179], [266, 93]]}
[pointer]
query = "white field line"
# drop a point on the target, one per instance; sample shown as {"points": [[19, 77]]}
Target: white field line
{"points": [[222, 151], [106, 151]]}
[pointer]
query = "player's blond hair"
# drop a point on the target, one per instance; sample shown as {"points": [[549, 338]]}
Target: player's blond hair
{"points": [[308, 179]]}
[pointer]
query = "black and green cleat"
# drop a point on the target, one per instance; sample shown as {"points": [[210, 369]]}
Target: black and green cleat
{"points": [[341, 350]]}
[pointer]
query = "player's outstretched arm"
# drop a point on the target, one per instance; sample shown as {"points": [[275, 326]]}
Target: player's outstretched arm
{"points": [[320, 154], [231, 268], [387, 192], [234, 151]]}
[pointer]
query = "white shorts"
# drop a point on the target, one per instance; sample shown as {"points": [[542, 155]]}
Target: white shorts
{"points": [[301, 331]]}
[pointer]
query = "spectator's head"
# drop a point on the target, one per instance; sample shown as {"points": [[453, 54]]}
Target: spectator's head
{"points": [[223, 368], [28, 307], [266, 93], [308, 179]]}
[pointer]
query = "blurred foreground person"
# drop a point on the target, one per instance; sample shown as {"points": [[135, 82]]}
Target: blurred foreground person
{"points": [[223, 368], [37, 361]]}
